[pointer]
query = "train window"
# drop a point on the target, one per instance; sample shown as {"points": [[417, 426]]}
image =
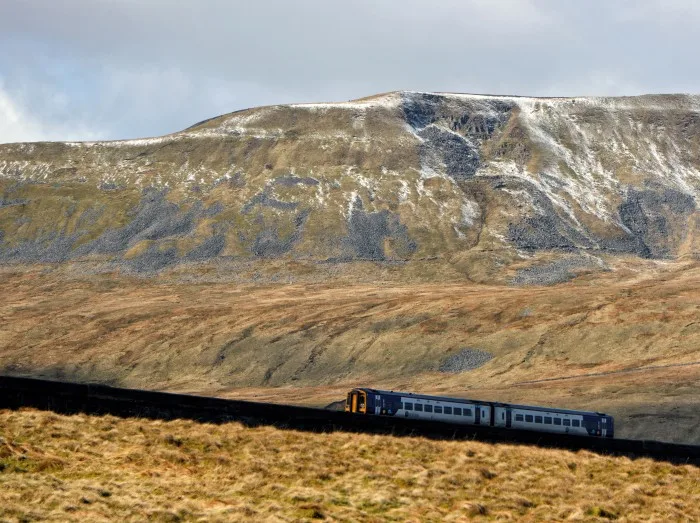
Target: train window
{"points": [[448, 410], [438, 410], [576, 423], [538, 419], [428, 408], [467, 412], [567, 423], [458, 411], [557, 421], [528, 418], [518, 417], [408, 406], [547, 420], [419, 407]]}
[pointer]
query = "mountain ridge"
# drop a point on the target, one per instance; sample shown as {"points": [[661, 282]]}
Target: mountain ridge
{"points": [[486, 183]]}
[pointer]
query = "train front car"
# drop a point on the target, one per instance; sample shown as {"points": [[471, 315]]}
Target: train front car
{"points": [[371, 401]]}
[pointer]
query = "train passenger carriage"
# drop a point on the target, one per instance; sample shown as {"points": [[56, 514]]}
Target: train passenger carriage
{"points": [[473, 412]]}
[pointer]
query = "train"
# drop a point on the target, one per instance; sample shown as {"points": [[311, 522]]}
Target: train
{"points": [[375, 402]]}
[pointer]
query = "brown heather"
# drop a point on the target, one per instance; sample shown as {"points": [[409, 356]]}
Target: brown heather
{"points": [[624, 342], [87, 468]]}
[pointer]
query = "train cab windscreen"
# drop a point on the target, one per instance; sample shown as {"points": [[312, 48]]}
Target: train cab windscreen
{"points": [[362, 402]]}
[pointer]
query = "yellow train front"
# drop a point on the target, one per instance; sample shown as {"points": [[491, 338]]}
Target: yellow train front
{"points": [[474, 412]]}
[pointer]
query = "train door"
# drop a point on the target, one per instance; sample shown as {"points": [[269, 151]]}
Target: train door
{"points": [[608, 427], [509, 418], [492, 419], [482, 415], [351, 402]]}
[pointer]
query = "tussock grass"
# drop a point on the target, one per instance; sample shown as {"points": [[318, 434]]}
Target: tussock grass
{"points": [[93, 468]]}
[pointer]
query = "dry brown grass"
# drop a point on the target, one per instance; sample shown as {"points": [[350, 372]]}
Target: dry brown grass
{"points": [[608, 336], [82, 468]]}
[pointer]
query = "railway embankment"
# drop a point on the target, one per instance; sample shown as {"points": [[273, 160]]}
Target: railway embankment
{"points": [[88, 398]]}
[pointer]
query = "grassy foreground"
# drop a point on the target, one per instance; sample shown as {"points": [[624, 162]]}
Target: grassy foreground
{"points": [[105, 468]]}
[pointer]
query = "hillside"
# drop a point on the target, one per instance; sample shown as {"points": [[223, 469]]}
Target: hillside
{"points": [[73, 468], [541, 250], [488, 186], [625, 342]]}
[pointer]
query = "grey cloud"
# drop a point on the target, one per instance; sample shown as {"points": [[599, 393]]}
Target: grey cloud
{"points": [[151, 67]]}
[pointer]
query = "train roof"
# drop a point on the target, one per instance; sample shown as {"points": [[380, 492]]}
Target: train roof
{"points": [[467, 400]]}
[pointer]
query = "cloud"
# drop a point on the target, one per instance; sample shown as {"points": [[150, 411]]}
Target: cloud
{"points": [[138, 67], [17, 124]]}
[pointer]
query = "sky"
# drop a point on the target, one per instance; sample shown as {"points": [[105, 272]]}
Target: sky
{"points": [[115, 69]]}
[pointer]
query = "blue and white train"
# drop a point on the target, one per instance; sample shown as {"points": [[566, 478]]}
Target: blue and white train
{"points": [[473, 412]]}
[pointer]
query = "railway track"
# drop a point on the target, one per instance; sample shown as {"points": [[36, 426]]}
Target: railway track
{"points": [[68, 398]]}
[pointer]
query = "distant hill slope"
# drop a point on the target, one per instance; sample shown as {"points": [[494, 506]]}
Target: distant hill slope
{"points": [[498, 188]]}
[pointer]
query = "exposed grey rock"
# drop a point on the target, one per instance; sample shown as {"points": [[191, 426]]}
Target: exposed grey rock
{"points": [[294, 180], [213, 210], [557, 271], [459, 154], [451, 133], [420, 109], [367, 231], [546, 230], [268, 243], [267, 201], [538, 233], [466, 359], [88, 217], [9, 203], [153, 259], [208, 249], [51, 248], [647, 213], [483, 123], [154, 219]]}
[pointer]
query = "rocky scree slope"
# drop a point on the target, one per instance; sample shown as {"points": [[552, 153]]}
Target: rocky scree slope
{"points": [[499, 188]]}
